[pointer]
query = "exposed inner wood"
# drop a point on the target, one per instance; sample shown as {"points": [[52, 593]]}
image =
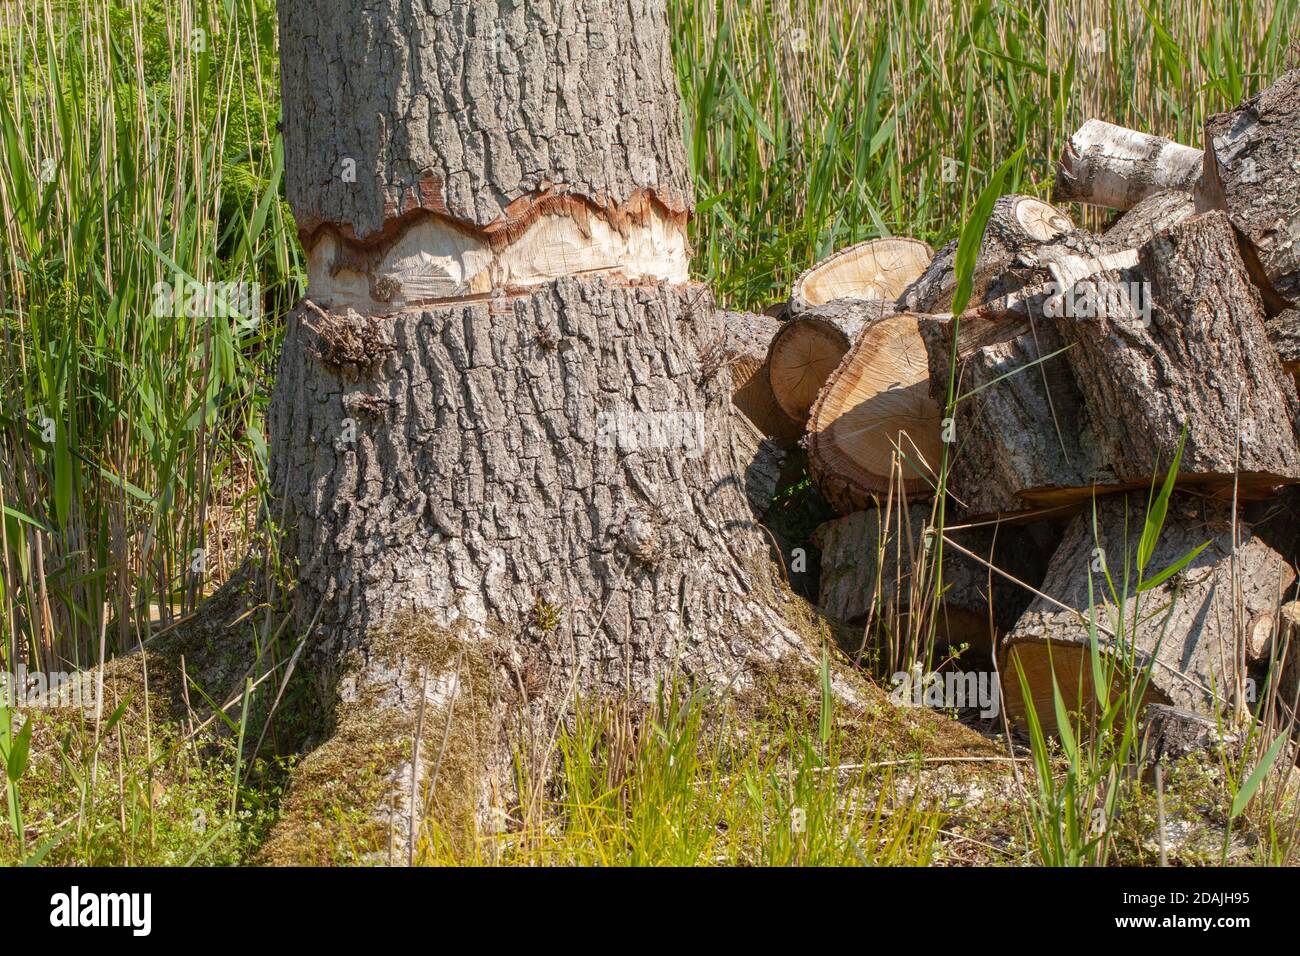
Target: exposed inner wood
{"points": [[875, 418], [808, 347], [875, 269], [434, 259]]}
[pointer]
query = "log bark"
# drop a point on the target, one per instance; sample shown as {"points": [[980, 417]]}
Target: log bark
{"points": [[1148, 218], [1019, 424], [875, 269], [745, 348], [1283, 332], [810, 346], [501, 441], [1252, 170], [1017, 224], [1108, 165], [1186, 629], [1200, 363], [1096, 390]]}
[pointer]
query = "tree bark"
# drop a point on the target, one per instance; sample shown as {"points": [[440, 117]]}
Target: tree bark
{"points": [[1108, 165], [1148, 218], [1017, 225], [1187, 625], [502, 447], [1200, 362], [1252, 170], [1019, 423], [1094, 387]]}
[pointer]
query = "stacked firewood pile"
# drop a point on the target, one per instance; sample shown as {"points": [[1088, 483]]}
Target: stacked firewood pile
{"points": [[1082, 368]]}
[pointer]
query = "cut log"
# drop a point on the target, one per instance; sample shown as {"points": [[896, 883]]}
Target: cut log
{"points": [[1184, 628], [875, 269], [874, 425], [1150, 217], [1177, 342], [1252, 170], [1019, 424], [745, 348], [1017, 224], [809, 347], [1194, 358], [876, 566], [1108, 165]]}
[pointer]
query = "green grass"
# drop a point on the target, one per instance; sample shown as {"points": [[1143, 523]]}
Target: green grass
{"points": [[138, 142]]}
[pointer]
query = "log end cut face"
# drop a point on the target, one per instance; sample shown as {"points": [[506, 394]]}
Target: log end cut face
{"points": [[875, 424], [876, 269]]}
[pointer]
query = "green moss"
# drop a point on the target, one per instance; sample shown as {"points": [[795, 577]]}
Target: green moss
{"points": [[341, 805]]}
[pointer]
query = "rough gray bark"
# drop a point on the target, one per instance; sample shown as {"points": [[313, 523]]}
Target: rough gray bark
{"points": [[1252, 170], [481, 112], [1189, 625], [1019, 423], [1202, 364], [1176, 342], [1284, 335], [1017, 224], [496, 503], [809, 346]]}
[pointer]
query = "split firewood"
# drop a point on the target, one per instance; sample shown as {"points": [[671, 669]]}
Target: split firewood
{"points": [[1151, 216], [875, 269], [1108, 165], [1056, 405], [748, 337], [879, 563], [1252, 169], [1016, 225], [874, 425], [1182, 630], [809, 347], [1185, 352]]}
